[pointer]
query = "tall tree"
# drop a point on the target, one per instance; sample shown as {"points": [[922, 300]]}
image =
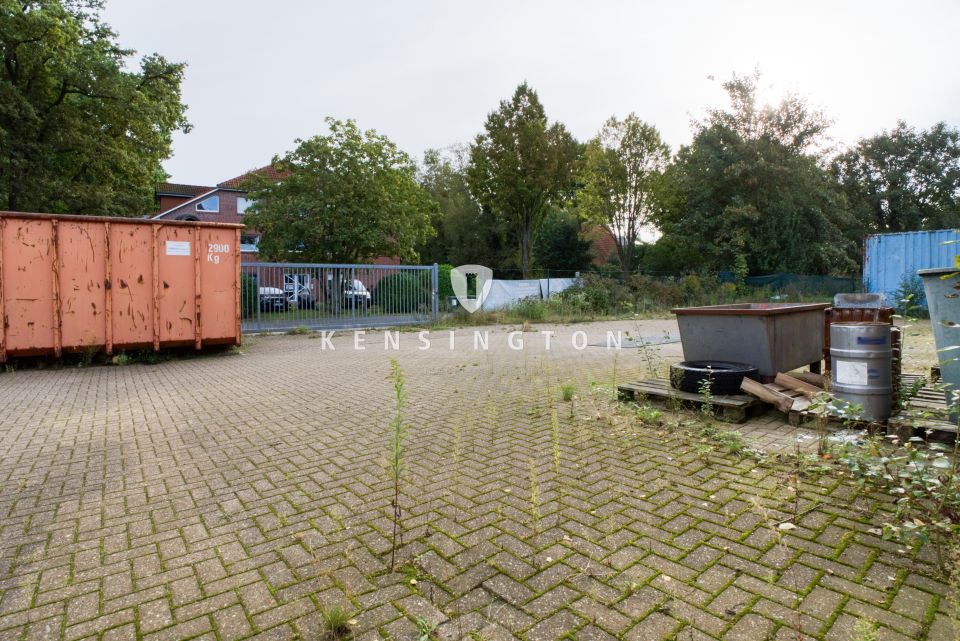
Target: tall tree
{"points": [[346, 197], [622, 171], [466, 232], [521, 165], [79, 133], [559, 244], [751, 192], [903, 180]]}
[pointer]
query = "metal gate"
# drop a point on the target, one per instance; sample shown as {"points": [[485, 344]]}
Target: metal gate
{"points": [[285, 296]]}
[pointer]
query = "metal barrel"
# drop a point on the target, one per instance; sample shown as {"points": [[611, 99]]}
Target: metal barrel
{"points": [[861, 358]]}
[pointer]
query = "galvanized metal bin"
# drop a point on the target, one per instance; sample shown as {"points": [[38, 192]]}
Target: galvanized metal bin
{"points": [[861, 355], [940, 287], [73, 283], [774, 337]]}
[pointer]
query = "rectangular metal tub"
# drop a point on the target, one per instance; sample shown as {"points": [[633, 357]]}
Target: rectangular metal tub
{"points": [[74, 283], [774, 337]]}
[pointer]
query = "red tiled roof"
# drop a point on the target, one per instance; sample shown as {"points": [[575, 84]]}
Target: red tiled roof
{"points": [[181, 190], [603, 243], [269, 171]]}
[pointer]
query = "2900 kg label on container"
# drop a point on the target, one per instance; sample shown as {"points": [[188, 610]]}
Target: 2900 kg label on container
{"points": [[214, 250]]}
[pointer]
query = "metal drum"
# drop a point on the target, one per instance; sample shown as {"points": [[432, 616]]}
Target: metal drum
{"points": [[861, 364]]}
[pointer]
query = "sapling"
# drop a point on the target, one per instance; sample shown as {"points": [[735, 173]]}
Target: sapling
{"points": [[398, 433], [555, 438]]}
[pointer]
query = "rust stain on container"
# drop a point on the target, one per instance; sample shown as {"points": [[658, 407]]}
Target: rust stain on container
{"points": [[52, 268]]}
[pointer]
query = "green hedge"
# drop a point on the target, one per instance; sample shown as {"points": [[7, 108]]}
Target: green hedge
{"points": [[402, 292]]}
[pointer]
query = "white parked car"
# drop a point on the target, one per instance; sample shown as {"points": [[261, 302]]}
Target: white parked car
{"points": [[356, 295], [273, 299]]}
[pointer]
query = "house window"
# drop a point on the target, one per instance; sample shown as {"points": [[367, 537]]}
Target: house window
{"points": [[211, 204], [243, 204], [249, 242]]}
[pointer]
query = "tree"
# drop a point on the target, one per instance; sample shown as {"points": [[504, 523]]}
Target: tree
{"points": [[622, 170], [521, 165], [558, 244], [903, 180], [346, 197], [466, 232], [752, 195], [78, 132]]}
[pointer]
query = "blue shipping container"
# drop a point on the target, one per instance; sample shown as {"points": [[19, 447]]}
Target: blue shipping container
{"points": [[888, 258]]}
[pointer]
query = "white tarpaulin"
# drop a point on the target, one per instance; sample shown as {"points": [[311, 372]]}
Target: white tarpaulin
{"points": [[507, 293], [551, 286]]}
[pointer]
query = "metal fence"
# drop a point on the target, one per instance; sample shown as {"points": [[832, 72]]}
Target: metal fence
{"points": [[285, 296]]}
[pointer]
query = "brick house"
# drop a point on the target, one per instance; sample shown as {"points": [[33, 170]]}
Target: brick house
{"points": [[224, 203]]}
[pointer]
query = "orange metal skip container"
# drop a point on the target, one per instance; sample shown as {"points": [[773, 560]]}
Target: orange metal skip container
{"points": [[73, 283]]}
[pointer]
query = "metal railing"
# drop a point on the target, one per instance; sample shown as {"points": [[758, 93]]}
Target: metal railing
{"points": [[286, 296]]}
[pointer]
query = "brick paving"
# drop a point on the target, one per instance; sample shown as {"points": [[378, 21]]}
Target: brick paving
{"points": [[242, 496]]}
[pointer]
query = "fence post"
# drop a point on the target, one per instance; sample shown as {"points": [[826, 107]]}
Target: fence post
{"points": [[435, 290], [353, 298], [257, 288], [548, 284]]}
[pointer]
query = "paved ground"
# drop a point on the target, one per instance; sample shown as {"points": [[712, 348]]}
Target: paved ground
{"points": [[241, 496]]}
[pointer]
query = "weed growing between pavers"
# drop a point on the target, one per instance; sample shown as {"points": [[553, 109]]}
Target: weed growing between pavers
{"points": [[336, 621], [398, 432]]}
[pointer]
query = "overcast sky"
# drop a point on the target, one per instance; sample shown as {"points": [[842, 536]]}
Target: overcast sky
{"points": [[426, 73]]}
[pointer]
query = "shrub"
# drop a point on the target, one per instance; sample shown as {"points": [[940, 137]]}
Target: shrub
{"points": [[728, 292], [402, 292], [910, 298], [691, 288], [249, 295], [444, 285], [653, 294], [530, 309]]}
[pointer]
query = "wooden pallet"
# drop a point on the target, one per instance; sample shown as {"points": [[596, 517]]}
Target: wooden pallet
{"points": [[925, 410], [734, 408]]}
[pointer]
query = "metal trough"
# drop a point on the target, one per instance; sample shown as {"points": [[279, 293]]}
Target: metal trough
{"points": [[774, 337]]}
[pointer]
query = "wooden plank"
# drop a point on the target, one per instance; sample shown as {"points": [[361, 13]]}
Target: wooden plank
{"points": [[786, 391], [797, 385], [810, 377], [779, 400]]}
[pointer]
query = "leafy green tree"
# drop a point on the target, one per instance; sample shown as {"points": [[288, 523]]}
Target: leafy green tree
{"points": [[558, 244], [903, 180], [622, 171], [79, 133], [751, 194], [346, 197], [466, 232], [522, 165], [670, 256]]}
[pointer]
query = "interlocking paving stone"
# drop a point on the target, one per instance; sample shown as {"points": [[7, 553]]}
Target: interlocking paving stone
{"points": [[234, 497]]}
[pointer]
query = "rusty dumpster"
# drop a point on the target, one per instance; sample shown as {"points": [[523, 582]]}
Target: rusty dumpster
{"points": [[76, 283]]}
